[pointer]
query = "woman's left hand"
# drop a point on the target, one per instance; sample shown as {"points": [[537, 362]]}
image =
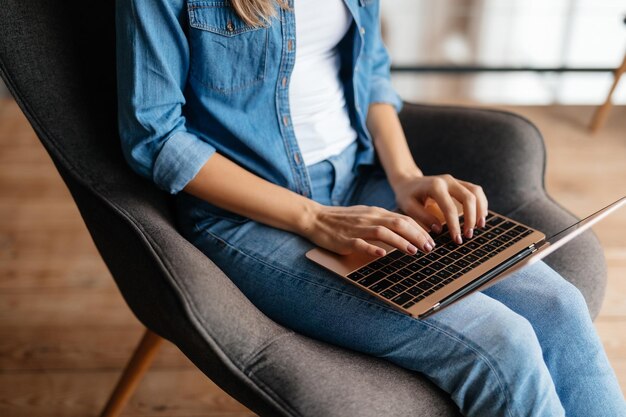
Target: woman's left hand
{"points": [[413, 192]]}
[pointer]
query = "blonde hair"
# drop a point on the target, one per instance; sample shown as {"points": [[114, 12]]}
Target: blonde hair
{"points": [[257, 12]]}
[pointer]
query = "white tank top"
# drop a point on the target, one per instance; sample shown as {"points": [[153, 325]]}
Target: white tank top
{"points": [[316, 97]]}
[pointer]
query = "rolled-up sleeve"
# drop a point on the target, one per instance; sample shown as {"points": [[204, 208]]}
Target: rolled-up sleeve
{"points": [[152, 67], [381, 90]]}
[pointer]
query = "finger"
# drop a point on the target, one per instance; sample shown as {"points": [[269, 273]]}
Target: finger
{"points": [[417, 211], [360, 245], [465, 197], [481, 202], [385, 235], [408, 228], [439, 193]]}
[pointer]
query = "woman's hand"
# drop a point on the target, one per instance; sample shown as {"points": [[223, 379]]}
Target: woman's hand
{"points": [[412, 193], [344, 230]]}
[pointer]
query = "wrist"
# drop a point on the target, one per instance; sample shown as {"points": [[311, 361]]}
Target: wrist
{"points": [[307, 218], [399, 177]]}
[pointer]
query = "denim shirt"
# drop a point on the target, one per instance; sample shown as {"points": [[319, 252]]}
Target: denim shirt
{"points": [[193, 79]]}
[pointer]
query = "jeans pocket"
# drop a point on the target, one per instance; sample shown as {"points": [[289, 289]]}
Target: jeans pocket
{"points": [[226, 54]]}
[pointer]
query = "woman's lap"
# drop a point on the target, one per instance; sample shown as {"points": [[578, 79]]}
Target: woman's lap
{"points": [[478, 349]]}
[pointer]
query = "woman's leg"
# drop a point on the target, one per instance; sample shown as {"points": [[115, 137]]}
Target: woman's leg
{"points": [[572, 350]]}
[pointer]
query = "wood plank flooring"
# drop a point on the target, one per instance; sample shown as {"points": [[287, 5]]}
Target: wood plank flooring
{"points": [[65, 332]]}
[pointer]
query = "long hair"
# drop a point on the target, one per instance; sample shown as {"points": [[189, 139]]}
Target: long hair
{"points": [[257, 12]]}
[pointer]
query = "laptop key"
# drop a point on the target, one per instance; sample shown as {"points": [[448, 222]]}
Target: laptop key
{"points": [[388, 269], [375, 264], [424, 261], [472, 245], [455, 255], [355, 276], [388, 294], [395, 277], [380, 286], [471, 258], [365, 270], [405, 272], [437, 266], [396, 254], [464, 250], [424, 285], [428, 271], [398, 288], [402, 298], [371, 279], [409, 304], [462, 263], [446, 260], [415, 291]]}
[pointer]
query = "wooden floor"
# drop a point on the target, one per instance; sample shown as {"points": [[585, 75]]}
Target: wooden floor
{"points": [[65, 331]]}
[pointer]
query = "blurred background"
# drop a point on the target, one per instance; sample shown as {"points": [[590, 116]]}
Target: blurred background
{"points": [[471, 40], [65, 331]]}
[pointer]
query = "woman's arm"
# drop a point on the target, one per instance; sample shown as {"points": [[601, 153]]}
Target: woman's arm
{"points": [[412, 188], [340, 229]]}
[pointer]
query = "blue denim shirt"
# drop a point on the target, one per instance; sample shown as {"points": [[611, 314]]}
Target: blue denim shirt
{"points": [[193, 79]]}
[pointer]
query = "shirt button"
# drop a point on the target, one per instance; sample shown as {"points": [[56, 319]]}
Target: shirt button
{"points": [[229, 26], [284, 82], [286, 120], [289, 45], [296, 157], [362, 30]]}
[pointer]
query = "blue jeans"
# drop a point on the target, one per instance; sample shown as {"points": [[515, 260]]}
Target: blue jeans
{"points": [[524, 347]]}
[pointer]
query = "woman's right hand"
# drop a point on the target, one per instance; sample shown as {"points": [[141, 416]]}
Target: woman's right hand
{"points": [[345, 230]]}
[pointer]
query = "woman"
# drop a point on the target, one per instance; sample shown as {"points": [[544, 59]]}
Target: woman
{"points": [[276, 126]]}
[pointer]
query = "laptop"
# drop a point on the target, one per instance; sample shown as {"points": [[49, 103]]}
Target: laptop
{"points": [[422, 284]]}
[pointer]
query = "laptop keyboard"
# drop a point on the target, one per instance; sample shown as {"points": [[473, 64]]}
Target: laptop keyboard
{"points": [[406, 279]]}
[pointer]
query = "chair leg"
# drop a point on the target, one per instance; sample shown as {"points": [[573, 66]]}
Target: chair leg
{"points": [[603, 111], [135, 369]]}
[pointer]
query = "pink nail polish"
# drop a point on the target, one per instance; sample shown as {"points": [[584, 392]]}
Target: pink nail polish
{"points": [[458, 239], [435, 228], [411, 249], [470, 233], [427, 247]]}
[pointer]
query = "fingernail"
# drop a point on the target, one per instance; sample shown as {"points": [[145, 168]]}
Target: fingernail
{"points": [[411, 249], [483, 222], [458, 239], [427, 247], [380, 252], [470, 233], [432, 243], [435, 228]]}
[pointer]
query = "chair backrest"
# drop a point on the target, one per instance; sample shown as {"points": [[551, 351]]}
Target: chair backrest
{"points": [[58, 60]]}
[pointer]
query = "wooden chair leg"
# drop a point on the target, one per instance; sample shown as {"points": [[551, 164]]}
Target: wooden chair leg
{"points": [[602, 112], [135, 369]]}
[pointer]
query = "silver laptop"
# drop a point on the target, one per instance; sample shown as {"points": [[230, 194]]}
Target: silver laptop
{"points": [[422, 284]]}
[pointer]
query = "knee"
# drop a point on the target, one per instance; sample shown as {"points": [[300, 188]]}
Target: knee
{"points": [[564, 303], [514, 344]]}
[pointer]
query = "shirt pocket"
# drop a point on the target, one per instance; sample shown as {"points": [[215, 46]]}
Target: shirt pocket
{"points": [[226, 54]]}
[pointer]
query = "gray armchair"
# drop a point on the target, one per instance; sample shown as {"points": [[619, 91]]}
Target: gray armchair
{"points": [[57, 59]]}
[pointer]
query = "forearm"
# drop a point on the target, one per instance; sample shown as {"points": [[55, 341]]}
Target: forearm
{"points": [[390, 143], [249, 195]]}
